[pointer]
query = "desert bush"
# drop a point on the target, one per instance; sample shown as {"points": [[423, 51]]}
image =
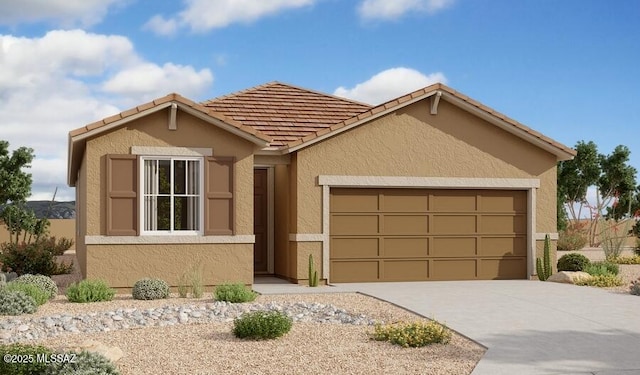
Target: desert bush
{"points": [[191, 281], [573, 238], [44, 282], [39, 295], [412, 335], [627, 260], [634, 288], [16, 303], [24, 353], [234, 293], [602, 268], [262, 325], [150, 289], [85, 363], [601, 281], [32, 258], [573, 262], [6, 277], [89, 291]]}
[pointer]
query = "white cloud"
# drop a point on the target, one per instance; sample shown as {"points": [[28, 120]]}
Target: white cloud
{"points": [[389, 84], [161, 26], [204, 15], [66, 79], [66, 13], [394, 9]]}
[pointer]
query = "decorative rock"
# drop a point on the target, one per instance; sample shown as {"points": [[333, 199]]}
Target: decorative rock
{"points": [[23, 327], [568, 277], [117, 318], [4, 335], [112, 353]]}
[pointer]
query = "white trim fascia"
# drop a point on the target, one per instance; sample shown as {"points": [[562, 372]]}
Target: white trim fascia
{"points": [[306, 237], [157, 240], [428, 182], [560, 154], [435, 100], [532, 203], [223, 125], [171, 151], [173, 113], [552, 236], [271, 151], [360, 122], [121, 122], [326, 217]]}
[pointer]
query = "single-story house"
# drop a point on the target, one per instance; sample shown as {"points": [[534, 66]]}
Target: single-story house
{"points": [[429, 186]]}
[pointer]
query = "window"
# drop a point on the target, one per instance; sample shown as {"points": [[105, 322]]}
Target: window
{"points": [[172, 199]]}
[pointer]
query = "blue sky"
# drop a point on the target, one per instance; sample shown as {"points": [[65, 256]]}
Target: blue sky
{"points": [[568, 69]]}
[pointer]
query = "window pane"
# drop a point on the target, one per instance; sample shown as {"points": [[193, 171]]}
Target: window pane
{"points": [[163, 213], [186, 212], [164, 178], [193, 174], [179, 176], [150, 170], [150, 210]]}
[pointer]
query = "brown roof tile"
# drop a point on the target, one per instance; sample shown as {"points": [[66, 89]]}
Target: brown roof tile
{"points": [[281, 110]]}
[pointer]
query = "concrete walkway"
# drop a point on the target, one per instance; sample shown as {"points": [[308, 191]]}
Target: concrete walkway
{"points": [[530, 327]]}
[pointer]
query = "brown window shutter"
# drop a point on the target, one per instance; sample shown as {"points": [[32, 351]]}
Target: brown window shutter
{"points": [[122, 197], [218, 204]]}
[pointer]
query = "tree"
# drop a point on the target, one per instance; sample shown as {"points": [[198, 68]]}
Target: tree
{"points": [[15, 183], [611, 175]]}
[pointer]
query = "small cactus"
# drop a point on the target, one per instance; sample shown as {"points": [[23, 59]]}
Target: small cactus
{"points": [[313, 274], [543, 266]]}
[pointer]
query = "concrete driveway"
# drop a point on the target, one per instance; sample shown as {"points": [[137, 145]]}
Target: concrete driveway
{"points": [[529, 327]]}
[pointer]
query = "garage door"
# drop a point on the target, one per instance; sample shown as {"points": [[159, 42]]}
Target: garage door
{"points": [[425, 234]]}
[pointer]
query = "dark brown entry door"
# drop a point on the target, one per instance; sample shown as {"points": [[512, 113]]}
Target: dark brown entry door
{"points": [[260, 220]]}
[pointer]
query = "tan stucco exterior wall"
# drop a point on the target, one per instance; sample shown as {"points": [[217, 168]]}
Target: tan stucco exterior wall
{"points": [[121, 264], [281, 220], [59, 228], [411, 142]]}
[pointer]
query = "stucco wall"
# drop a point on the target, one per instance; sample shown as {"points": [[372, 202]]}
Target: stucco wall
{"points": [[153, 131], [122, 265], [412, 142], [281, 220], [58, 228]]}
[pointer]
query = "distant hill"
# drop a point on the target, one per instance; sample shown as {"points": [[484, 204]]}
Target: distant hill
{"points": [[52, 210]]}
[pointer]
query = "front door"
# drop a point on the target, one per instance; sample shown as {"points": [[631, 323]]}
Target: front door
{"points": [[260, 204]]}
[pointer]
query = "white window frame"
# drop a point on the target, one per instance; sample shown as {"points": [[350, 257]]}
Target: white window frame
{"points": [[141, 189]]}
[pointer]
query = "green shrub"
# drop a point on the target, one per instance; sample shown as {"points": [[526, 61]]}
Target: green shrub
{"points": [[85, 363], [234, 293], [16, 303], [45, 282], [412, 335], [150, 289], [32, 258], [35, 367], [602, 268], [90, 291], [635, 287], [573, 262], [34, 291], [6, 277], [601, 281], [262, 325], [627, 260], [543, 266]]}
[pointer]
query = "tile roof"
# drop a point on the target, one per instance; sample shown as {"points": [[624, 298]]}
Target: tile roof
{"points": [[284, 112]]}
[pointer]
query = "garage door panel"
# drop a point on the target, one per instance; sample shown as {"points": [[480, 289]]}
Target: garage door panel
{"points": [[405, 201], [503, 224], [453, 202], [405, 270], [453, 269], [454, 247], [504, 246], [505, 268], [350, 248], [348, 200], [453, 224], [497, 201], [405, 247], [427, 234], [354, 224], [405, 224], [354, 271]]}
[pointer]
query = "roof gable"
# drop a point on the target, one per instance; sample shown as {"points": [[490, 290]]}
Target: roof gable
{"points": [[79, 136], [435, 93], [285, 112]]}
